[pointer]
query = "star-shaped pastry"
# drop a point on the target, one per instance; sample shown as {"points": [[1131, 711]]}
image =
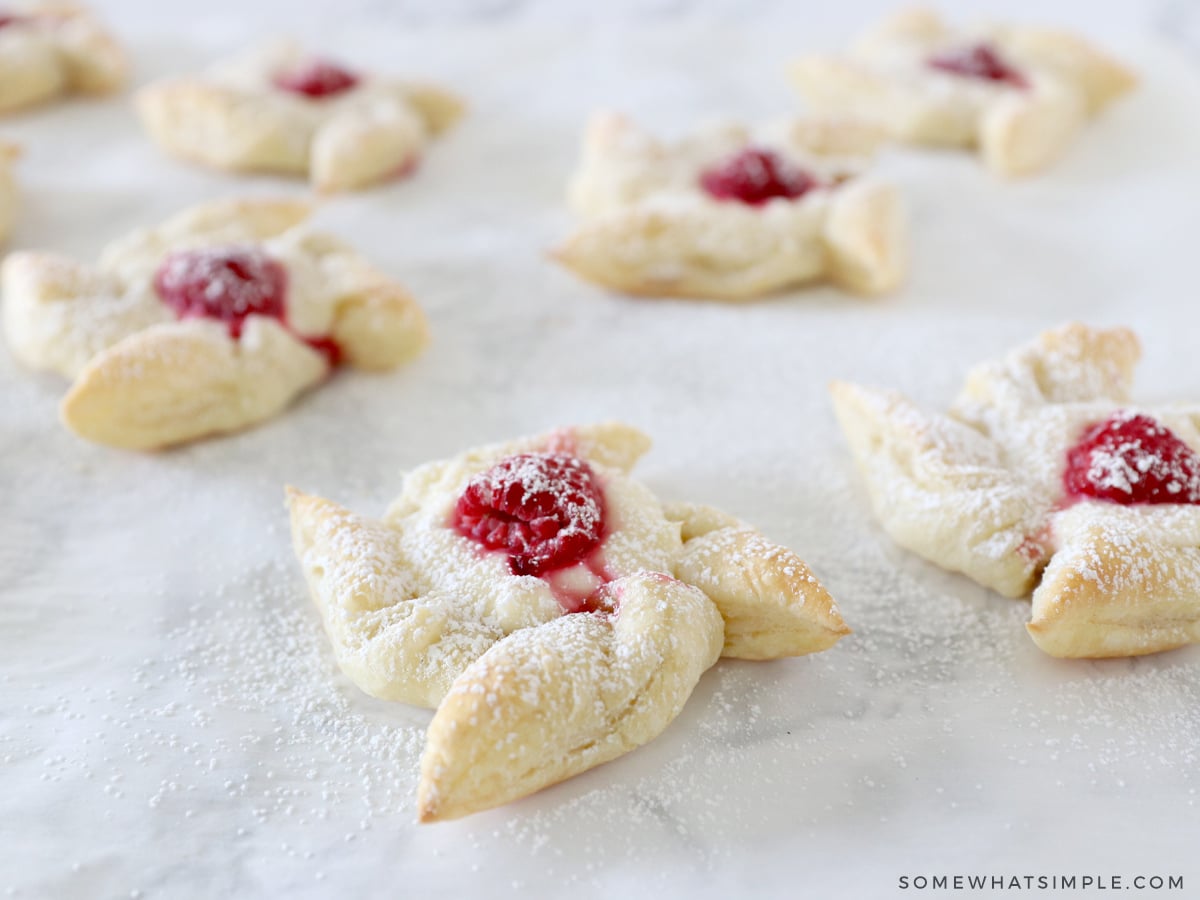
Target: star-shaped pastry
{"points": [[215, 320], [555, 613], [733, 214], [279, 109], [1044, 477], [49, 50], [1018, 94]]}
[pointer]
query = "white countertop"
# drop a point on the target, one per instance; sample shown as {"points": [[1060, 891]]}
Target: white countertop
{"points": [[171, 721]]}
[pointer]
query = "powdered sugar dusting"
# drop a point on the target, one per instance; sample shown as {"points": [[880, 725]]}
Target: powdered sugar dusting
{"points": [[936, 721]]}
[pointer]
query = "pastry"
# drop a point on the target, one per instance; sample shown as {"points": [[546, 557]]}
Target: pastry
{"points": [[279, 109], [732, 214], [547, 605], [1018, 94], [48, 50], [1044, 478], [8, 188], [215, 320]]}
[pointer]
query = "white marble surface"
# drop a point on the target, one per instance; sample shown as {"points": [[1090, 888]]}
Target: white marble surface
{"points": [[171, 724]]}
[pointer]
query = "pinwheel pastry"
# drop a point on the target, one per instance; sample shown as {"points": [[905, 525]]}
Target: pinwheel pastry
{"points": [[48, 50], [1044, 477], [733, 214], [8, 188], [210, 322], [550, 608], [1016, 93], [279, 109]]}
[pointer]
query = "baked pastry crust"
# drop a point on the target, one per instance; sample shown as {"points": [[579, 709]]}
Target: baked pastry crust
{"points": [[9, 153], [649, 228], [143, 378], [980, 491], [1018, 128], [525, 694], [49, 50], [235, 117]]}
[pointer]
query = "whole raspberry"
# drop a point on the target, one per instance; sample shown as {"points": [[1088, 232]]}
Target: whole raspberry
{"points": [[226, 283], [1131, 458], [545, 510], [753, 176], [317, 78], [978, 61]]}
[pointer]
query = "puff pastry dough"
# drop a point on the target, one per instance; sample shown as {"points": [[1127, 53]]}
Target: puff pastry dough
{"points": [[147, 375], [981, 491], [650, 227], [421, 611], [237, 116], [48, 50], [1018, 94]]}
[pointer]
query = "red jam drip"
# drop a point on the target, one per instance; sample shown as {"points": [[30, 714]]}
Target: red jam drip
{"points": [[753, 176], [1130, 458], [317, 79], [980, 61], [545, 510], [7, 18], [230, 284]]}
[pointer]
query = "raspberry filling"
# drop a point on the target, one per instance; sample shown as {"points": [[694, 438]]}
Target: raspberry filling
{"points": [[753, 176], [1130, 458], [7, 18], [545, 510], [978, 61], [230, 284], [316, 79]]}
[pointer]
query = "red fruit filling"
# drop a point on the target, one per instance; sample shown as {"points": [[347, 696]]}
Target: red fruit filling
{"points": [[753, 176], [978, 61], [1131, 458], [229, 284], [7, 18], [316, 78], [545, 510]]}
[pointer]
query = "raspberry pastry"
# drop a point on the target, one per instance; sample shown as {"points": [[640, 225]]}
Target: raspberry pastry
{"points": [[282, 110], [1019, 94], [732, 214], [551, 609], [213, 321], [52, 49], [1043, 477]]}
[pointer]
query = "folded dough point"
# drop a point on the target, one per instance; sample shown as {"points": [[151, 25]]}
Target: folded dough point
{"points": [[772, 604], [1106, 593], [1023, 134], [440, 109], [730, 253], [939, 489], [552, 701], [380, 327], [221, 127], [864, 235], [179, 381]]}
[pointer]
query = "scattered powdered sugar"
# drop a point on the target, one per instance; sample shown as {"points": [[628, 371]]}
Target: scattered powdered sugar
{"points": [[935, 725], [257, 713]]}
